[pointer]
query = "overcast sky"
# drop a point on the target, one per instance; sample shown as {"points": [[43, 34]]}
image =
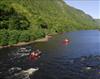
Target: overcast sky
{"points": [[91, 7]]}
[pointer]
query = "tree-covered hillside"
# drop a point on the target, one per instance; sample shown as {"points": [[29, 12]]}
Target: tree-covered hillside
{"points": [[98, 22], [27, 20]]}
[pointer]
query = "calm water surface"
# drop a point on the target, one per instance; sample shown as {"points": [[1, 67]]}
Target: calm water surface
{"points": [[59, 61]]}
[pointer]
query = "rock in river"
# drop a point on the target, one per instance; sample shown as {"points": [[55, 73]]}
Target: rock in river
{"points": [[24, 74]]}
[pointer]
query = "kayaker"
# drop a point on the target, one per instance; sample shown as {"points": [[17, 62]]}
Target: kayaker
{"points": [[66, 41], [35, 55], [38, 52]]}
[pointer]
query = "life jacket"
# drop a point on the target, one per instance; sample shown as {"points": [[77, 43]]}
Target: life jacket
{"points": [[33, 56], [66, 41]]}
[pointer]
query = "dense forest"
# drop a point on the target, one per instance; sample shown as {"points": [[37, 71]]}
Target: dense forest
{"points": [[28, 20], [98, 22]]}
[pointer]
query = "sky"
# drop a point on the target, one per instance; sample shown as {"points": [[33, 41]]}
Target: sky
{"points": [[91, 7]]}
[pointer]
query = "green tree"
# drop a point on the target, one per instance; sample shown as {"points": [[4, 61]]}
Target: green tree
{"points": [[4, 37], [39, 33], [24, 36], [4, 24], [23, 24], [13, 37]]}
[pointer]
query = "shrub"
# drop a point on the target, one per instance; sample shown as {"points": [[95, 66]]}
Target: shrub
{"points": [[4, 37], [13, 37], [39, 33], [24, 36]]}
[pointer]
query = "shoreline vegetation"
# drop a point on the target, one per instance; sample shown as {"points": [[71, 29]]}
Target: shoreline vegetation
{"points": [[45, 39], [21, 22]]}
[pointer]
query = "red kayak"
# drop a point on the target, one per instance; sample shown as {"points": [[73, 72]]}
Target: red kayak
{"points": [[66, 41], [34, 55]]}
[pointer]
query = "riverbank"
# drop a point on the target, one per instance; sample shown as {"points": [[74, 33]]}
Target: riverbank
{"points": [[45, 39]]}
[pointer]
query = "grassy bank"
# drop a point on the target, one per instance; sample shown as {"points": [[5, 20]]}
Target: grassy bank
{"points": [[45, 39]]}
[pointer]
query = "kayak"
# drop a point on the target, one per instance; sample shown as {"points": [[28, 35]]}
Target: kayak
{"points": [[24, 50], [34, 56]]}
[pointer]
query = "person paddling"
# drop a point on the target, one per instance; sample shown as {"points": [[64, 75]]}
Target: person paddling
{"points": [[35, 55]]}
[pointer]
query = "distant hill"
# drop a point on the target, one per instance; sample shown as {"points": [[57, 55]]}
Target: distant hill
{"points": [[53, 12], [98, 22], [36, 18]]}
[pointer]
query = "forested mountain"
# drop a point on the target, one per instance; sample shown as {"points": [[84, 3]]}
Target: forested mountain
{"points": [[26, 20], [98, 22]]}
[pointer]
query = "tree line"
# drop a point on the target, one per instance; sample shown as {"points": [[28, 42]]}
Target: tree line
{"points": [[14, 27]]}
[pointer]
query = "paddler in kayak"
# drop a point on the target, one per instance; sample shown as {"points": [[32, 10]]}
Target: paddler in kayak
{"points": [[35, 54], [66, 41]]}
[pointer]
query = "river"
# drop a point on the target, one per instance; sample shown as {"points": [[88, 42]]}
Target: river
{"points": [[80, 59]]}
